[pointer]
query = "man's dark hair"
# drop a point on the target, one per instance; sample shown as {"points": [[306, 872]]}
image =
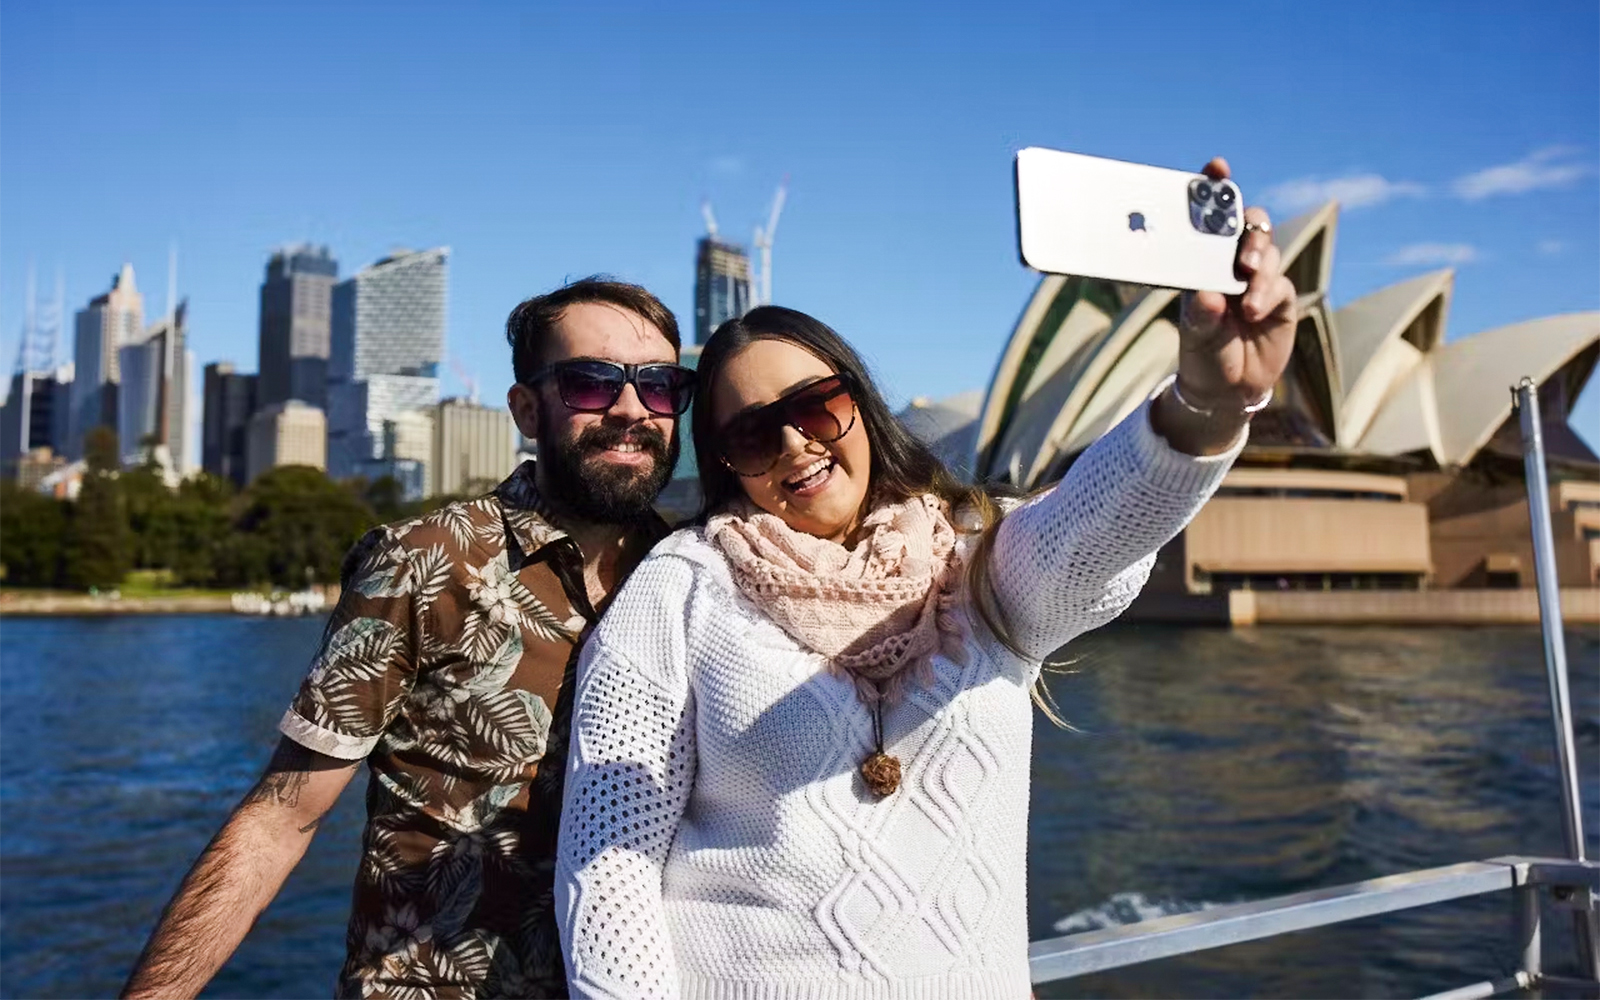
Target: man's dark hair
{"points": [[531, 323]]}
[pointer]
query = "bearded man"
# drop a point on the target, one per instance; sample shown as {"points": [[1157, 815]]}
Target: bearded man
{"points": [[447, 667]]}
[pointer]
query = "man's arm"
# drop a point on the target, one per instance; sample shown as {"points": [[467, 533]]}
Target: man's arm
{"points": [[240, 872]]}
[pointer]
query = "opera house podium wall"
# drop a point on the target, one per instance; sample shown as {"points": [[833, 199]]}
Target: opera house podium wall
{"points": [[1384, 482]]}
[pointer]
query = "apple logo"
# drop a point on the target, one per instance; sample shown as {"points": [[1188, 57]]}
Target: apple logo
{"points": [[1136, 222]]}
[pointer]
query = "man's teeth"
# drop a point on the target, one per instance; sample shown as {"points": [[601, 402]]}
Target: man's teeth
{"points": [[626, 447]]}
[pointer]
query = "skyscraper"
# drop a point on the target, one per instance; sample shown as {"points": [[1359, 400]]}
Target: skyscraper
{"points": [[388, 329], [474, 447], [34, 415], [388, 319], [153, 402], [407, 450], [287, 433], [230, 399], [296, 305], [721, 285], [36, 409], [111, 320], [357, 412]]}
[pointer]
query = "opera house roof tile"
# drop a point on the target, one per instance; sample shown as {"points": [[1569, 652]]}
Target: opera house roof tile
{"points": [[1468, 380]]}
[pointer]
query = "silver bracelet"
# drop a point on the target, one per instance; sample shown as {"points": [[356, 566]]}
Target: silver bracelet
{"points": [[1247, 410]]}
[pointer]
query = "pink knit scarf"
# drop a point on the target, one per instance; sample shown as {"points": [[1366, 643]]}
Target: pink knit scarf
{"points": [[877, 611]]}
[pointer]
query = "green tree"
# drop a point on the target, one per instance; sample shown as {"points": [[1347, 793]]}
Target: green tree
{"points": [[293, 527], [33, 530], [155, 543], [386, 497], [200, 515], [99, 549]]}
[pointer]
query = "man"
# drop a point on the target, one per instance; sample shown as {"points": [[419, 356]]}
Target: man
{"points": [[447, 667]]}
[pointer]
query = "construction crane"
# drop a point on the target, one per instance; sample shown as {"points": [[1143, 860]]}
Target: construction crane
{"points": [[711, 220], [466, 378], [37, 351], [763, 244]]}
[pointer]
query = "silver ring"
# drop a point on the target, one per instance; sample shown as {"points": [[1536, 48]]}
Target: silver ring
{"points": [[1258, 227]]}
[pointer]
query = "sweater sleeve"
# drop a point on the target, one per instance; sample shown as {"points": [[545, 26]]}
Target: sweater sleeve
{"points": [[1074, 558], [630, 769]]}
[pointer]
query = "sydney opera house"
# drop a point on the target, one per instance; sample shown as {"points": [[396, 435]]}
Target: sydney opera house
{"points": [[1389, 461]]}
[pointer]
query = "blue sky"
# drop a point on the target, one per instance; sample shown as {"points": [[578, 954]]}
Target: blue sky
{"points": [[547, 141]]}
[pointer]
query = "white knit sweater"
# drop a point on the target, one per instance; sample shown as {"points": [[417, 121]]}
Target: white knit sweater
{"points": [[716, 840]]}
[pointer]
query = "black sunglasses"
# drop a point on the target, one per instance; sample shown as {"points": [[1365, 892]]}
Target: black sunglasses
{"points": [[824, 411], [591, 386]]}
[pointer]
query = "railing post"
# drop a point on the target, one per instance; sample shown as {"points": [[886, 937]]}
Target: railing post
{"points": [[1525, 924], [1526, 394]]}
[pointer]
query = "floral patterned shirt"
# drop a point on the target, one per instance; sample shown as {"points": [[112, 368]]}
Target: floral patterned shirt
{"points": [[447, 664]]}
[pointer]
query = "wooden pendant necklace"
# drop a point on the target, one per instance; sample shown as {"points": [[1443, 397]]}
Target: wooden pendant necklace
{"points": [[880, 771]]}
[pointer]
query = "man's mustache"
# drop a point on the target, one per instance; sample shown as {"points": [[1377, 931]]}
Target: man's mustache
{"points": [[603, 436]]}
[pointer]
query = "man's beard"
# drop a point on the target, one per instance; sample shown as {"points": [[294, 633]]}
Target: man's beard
{"points": [[581, 484]]}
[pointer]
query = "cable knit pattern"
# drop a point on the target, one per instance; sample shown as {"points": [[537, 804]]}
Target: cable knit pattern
{"points": [[716, 840]]}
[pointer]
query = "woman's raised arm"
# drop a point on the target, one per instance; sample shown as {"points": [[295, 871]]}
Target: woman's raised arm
{"points": [[1073, 559]]}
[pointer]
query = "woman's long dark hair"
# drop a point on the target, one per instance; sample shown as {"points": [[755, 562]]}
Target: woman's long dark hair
{"points": [[902, 467]]}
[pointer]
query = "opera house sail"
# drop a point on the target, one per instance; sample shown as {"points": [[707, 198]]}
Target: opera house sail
{"points": [[1389, 459]]}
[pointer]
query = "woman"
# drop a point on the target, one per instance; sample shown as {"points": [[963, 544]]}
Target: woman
{"points": [[801, 736]]}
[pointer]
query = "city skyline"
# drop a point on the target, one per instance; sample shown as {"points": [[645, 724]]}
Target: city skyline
{"points": [[1476, 149], [370, 347]]}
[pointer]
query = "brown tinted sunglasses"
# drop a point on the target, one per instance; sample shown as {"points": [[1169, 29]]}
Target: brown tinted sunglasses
{"points": [[751, 443]]}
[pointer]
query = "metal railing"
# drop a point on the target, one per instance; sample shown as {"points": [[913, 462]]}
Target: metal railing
{"points": [[1571, 883]]}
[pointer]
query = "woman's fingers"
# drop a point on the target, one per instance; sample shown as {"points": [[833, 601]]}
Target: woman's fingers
{"points": [[1259, 297], [1217, 169], [1203, 311], [1282, 301], [1255, 242]]}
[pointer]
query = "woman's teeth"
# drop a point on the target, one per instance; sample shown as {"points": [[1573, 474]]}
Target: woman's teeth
{"points": [[811, 475]]}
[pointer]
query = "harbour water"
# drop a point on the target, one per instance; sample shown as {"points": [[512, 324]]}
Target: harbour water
{"points": [[1205, 767]]}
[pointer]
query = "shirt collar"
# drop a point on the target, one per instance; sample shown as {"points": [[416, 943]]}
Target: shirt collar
{"points": [[530, 521]]}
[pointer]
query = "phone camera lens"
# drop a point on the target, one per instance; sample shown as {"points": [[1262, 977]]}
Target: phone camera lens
{"points": [[1217, 220], [1225, 196], [1201, 191]]}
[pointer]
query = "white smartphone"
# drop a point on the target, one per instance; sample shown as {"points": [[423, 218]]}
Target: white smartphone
{"points": [[1129, 222]]}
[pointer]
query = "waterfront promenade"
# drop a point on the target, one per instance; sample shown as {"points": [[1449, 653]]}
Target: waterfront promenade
{"points": [[25, 603], [61, 603]]}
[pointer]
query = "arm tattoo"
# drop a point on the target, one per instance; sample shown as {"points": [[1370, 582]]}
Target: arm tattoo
{"points": [[279, 788], [287, 775]]}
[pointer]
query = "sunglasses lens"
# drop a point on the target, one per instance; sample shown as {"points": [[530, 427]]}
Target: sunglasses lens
{"points": [[824, 412], [593, 388], [751, 444], [664, 390]]}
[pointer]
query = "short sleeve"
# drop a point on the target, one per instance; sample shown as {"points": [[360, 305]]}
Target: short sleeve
{"points": [[366, 664]]}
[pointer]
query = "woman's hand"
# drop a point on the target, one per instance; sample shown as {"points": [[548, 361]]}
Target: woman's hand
{"points": [[1232, 348]]}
